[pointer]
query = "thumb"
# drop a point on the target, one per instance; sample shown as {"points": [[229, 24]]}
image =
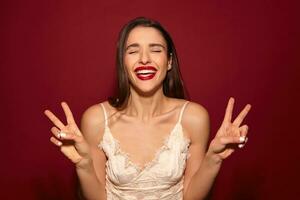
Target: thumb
{"points": [[219, 144]]}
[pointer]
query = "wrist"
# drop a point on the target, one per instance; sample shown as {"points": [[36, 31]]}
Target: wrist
{"points": [[84, 164], [212, 160]]}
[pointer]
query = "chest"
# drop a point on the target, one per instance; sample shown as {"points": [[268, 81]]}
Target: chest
{"points": [[141, 141], [167, 165]]}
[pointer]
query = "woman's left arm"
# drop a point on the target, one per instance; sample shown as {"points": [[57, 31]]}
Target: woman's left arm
{"points": [[203, 166]]}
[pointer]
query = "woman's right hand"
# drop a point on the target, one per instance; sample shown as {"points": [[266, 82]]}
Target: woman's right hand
{"points": [[69, 138]]}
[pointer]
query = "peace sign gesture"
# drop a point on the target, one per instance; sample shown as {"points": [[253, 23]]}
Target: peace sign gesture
{"points": [[68, 137], [231, 134]]}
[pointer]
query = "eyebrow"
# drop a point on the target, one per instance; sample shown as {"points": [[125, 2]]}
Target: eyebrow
{"points": [[151, 45]]}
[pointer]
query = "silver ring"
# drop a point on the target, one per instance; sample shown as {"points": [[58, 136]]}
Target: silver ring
{"points": [[61, 134]]}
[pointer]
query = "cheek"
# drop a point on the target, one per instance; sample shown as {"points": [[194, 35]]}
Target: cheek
{"points": [[161, 76], [130, 61], [128, 64], [130, 73], [161, 62], [126, 61]]}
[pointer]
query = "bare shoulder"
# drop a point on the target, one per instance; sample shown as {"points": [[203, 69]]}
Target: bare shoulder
{"points": [[93, 115], [92, 122], [195, 121], [195, 111]]}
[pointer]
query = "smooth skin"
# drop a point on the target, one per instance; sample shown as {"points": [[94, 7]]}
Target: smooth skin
{"points": [[147, 107]]}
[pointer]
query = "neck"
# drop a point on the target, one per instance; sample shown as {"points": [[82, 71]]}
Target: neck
{"points": [[146, 107]]}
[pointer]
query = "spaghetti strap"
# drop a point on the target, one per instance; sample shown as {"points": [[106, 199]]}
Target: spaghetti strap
{"points": [[181, 111], [124, 175], [105, 114]]}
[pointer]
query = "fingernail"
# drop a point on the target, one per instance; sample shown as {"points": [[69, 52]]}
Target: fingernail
{"points": [[241, 145], [242, 138], [246, 140]]}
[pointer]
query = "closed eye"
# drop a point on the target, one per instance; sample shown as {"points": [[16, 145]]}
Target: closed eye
{"points": [[156, 50]]}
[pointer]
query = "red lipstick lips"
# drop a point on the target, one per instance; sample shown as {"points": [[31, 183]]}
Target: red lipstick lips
{"points": [[145, 72]]}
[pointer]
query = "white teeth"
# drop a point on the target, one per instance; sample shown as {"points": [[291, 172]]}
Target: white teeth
{"points": [[146, 71]]}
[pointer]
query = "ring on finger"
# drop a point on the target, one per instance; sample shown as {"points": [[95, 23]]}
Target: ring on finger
{"points": [[241, 145], [61, 134]]}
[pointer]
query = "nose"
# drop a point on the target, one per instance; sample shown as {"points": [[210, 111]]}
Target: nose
{"points": [[145, 58]]}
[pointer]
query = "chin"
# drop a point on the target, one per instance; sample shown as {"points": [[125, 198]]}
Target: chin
{"points": [[147, 91]]}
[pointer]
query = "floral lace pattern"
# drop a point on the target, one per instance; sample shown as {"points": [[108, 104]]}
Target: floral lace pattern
{"points": [[160, 178]]}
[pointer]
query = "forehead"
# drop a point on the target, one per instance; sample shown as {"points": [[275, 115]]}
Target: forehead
{"points": [[144, 35]]}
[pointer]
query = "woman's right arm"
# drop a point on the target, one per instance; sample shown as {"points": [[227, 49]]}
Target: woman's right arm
{"points": [[81, 148], [92, 177]]}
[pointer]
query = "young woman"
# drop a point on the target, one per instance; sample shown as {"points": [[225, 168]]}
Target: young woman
{"points": [[148, 142]]}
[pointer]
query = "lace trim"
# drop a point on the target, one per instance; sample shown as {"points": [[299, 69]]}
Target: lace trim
{"points": [[186, 151], [139, 167]]}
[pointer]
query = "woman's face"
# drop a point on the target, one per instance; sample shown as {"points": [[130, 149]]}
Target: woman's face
{"points": [[146, 59]]}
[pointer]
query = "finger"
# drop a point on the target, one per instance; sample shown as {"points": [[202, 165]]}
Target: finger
{"points": [[243, 144], [225, 140], [221, 143], [239, 119], [56, 132], [54, 119], [244, 130], [61, 134], [68, 113], [228, 112], [55, 141], [67, 136]]}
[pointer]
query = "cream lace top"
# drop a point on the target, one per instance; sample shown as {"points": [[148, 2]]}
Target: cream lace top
{"points": [[161, 178]]}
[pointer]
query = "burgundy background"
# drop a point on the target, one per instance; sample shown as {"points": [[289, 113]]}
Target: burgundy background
{"points": [[64, 50]]}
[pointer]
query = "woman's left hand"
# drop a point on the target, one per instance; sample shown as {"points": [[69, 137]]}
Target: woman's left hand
{"points": [[230, 135]]}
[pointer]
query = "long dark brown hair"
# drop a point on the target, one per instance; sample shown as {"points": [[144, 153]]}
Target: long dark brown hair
{"points": [[172, 84]]}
